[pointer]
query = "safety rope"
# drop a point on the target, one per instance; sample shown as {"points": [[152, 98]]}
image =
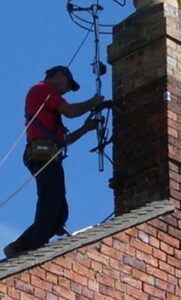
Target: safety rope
{"points": [[23, 132], [30, 179]]}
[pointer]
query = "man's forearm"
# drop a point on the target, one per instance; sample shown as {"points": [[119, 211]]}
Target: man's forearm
{"points": [[75, 135]]}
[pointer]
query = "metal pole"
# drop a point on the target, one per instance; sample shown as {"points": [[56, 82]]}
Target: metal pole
{"points": [[98, 115]]}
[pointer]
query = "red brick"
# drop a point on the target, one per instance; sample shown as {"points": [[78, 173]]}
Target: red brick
{"points": [[142, 276], [83, 270], [12, 292], [93, 285], [138, 294], [63, 293], [3, 288], [163, 285], [115, 264], [123, 237], [123, 247], [156, 292], [53, 268], [178, 273], [174, 262], [76, 288], [63, 262], [111, 273], [168, 239], [9, 281], [172, 115], [159, 225], [178, 291], [132, 232], [64, 282], [76, 277], [126, 297], [108, 241], [99, 297], [135, 263], [86, 262], [172, 279], [104, 259], [24, 286], [24, 276], [178, 254], [24, 296], [109, 291], [39, 293], [167, 248], [37, 282], [148, 229], [120, 286], [50, 296], [176, 203], [39, 272], [80, 297], [131, 281], [105, 280], [148, 259], [111, 252], [154, 242], [96, 266], [159, 254], [171, 297], [173, 132], [166, 267], [87, 293], [174, 232], [51, 278], [156, 272], [137, 244], [174, 185]]}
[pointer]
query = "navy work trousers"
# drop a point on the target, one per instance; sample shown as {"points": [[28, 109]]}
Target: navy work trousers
{"points": [[51, 209]]}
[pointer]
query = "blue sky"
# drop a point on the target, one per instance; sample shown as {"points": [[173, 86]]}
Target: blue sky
{"points": [[36, 35]]}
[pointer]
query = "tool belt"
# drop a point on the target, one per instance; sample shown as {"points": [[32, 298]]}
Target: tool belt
{"points": [[42, 150]]}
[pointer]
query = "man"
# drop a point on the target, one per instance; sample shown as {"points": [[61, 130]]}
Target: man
{"points": [[45, 131]]}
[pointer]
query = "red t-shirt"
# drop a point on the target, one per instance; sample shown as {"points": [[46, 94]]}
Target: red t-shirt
{"points": [[48, 117]]}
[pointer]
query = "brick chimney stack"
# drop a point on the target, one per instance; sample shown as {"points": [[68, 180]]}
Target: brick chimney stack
{"points": [[146, 60]]}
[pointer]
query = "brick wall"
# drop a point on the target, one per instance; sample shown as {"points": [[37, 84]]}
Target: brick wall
{"points": [[146, 59], [141, 263]]}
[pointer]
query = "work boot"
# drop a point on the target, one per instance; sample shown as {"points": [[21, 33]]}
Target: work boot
{"points": [[12, 250]]}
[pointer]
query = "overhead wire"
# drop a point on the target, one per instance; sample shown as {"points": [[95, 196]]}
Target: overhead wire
{"points": [[80, 46]]}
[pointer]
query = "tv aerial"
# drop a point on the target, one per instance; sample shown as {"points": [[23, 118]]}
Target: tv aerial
{"points": [[90, 22]]}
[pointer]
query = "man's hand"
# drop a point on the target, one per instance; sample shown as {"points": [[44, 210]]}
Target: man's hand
{"points": [[91, 124], [97, 100]]}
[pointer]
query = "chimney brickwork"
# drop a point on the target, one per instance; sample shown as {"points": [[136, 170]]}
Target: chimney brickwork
{"points": [[146, 59]]}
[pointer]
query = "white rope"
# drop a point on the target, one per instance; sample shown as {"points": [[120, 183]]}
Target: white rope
{"points": [[23, 132], [29, 179]]}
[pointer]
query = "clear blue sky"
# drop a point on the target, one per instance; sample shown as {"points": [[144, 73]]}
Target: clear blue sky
{"points": [[36, 35]]}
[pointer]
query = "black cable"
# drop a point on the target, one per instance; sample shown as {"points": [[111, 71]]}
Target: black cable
{"points": [[119, 3], [79, 48]]}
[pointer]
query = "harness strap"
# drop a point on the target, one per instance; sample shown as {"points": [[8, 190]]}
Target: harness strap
{"points": [[48, 134]]}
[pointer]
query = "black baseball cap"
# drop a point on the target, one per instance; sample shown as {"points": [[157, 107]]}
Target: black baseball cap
{"points": [[65, 70]]}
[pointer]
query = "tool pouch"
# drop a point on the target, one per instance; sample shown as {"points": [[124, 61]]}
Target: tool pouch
{"points": [[41, 150]]}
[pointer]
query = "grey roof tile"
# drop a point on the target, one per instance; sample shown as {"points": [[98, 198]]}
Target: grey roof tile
{"points": [[83, 238]]}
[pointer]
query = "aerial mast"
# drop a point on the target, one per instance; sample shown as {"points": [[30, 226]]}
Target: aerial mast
{"points": [[98, 69]]}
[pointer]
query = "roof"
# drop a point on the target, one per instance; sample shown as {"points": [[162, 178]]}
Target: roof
{"points": [[89, 236]]}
